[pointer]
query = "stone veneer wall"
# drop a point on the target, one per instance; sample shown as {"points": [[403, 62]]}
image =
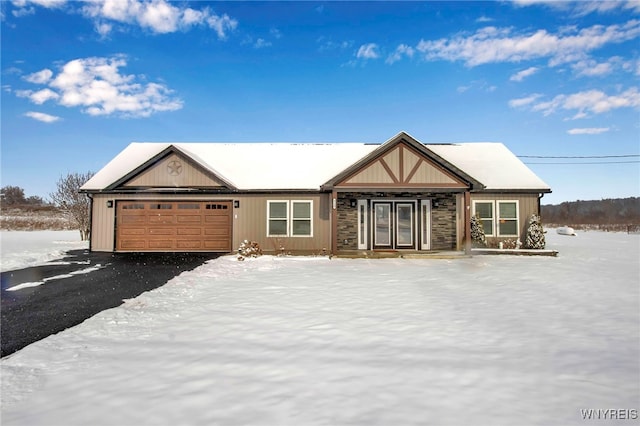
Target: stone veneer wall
{"points": [[443, 218]]}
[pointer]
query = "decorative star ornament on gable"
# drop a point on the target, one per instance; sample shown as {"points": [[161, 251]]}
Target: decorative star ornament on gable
{"points": [[174, 168]]}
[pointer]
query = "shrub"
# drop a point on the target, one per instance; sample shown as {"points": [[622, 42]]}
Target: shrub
{"points": [[478, 238], [249, 249], [535, 233]]}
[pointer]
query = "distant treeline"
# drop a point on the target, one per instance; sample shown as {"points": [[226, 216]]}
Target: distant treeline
{"points": [[596, 212]]}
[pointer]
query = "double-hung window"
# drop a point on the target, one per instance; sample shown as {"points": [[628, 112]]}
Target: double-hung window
{"points": [[289, 218], [301, 219], [499, 218], [485, 211], [278, 218], [507, 218]]}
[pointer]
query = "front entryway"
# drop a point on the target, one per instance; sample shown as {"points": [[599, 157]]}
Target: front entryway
{"points": [[393, 225]]}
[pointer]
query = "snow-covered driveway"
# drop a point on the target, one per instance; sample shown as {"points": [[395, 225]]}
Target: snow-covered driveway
{"points": [[303, 341]]}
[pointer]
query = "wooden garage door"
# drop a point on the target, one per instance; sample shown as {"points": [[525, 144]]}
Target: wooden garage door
{"points": [[173, 226]]}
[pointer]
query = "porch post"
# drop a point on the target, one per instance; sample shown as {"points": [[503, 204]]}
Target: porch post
{"points": [[334, 222], [467, 222]]}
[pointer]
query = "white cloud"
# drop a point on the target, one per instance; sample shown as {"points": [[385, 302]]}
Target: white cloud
{"points": [[41, 116], [368, 51], [584, 7], [584, 103], [401, 50], [276, 33], [494, 45], [40, 77], [97, 87], [478, 85], [159, 16], [588, 131], [260, 43], [49, 4], [222, 24], [39, 97], [521, 102], [484, 19], [326, 44], [521, 75]]}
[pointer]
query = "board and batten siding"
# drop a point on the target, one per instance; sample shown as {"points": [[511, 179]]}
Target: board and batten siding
{"points": [[174, 171], [249, 220], [527, 205]]}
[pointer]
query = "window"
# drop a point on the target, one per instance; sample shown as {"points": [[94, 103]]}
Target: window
{"points": [[484, 210], [133, 207], [277, 218], [217, 207], [160, 206], [508, 218], [189, 206], [301, 218], [290, 218]]}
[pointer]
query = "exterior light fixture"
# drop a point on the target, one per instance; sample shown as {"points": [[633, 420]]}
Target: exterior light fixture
{"points": [[236, 204], [109, 204]]}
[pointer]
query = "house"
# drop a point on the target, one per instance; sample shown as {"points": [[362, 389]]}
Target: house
{"points": [[309, 198]]}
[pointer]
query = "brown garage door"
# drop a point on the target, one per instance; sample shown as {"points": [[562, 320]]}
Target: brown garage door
{"points": [[173, 226]]}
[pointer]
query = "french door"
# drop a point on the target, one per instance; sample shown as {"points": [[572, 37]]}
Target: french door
{"points": [[394, 224]]}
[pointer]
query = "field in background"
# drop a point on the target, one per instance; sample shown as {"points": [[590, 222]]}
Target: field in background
{"points": [[34, 218]]}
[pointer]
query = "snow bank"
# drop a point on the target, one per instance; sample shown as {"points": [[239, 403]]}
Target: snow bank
{"points": [[20, 249], [495, 340]]}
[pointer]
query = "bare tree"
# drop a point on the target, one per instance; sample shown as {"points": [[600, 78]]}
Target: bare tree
{"points": [[74, 204]]}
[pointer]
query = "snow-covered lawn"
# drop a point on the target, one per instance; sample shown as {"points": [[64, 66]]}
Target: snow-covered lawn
{"points": [[20, 249], [495, 340]]}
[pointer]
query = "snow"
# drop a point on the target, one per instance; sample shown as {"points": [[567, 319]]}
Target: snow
{"points": [[307, 166], [498, 340], [57, 277], [246, 166], [21, 249], [491, 163]]}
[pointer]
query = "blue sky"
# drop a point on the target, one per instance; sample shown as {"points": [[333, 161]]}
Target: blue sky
{"points": [[81, 80]]}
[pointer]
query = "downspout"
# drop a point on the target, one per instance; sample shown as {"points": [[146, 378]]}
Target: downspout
{"points": [[90, 221], [540, 195]]}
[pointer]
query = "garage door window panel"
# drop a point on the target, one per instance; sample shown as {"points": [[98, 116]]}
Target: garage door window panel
{"points": [[164, 206]]}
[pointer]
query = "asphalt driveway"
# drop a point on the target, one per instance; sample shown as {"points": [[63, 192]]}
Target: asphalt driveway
{"points": [[77, 287]]}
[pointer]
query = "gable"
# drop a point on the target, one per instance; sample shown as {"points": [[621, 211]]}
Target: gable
{"points": [[402, 166], [173, 170]]}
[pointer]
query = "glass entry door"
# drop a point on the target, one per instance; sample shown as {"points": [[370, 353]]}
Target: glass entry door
{"points": [[394, 225], [404, 225], [382, 225]]}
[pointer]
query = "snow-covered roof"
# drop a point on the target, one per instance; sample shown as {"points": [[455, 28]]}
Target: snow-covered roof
{"points": [[491, 163], [307, 166], [247, 166]]}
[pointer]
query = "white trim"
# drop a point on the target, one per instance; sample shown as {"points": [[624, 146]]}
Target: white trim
{"points": [[493, 215], [310, 219], [363, 216], [517, 218], [286, 219], [425, 224]]}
